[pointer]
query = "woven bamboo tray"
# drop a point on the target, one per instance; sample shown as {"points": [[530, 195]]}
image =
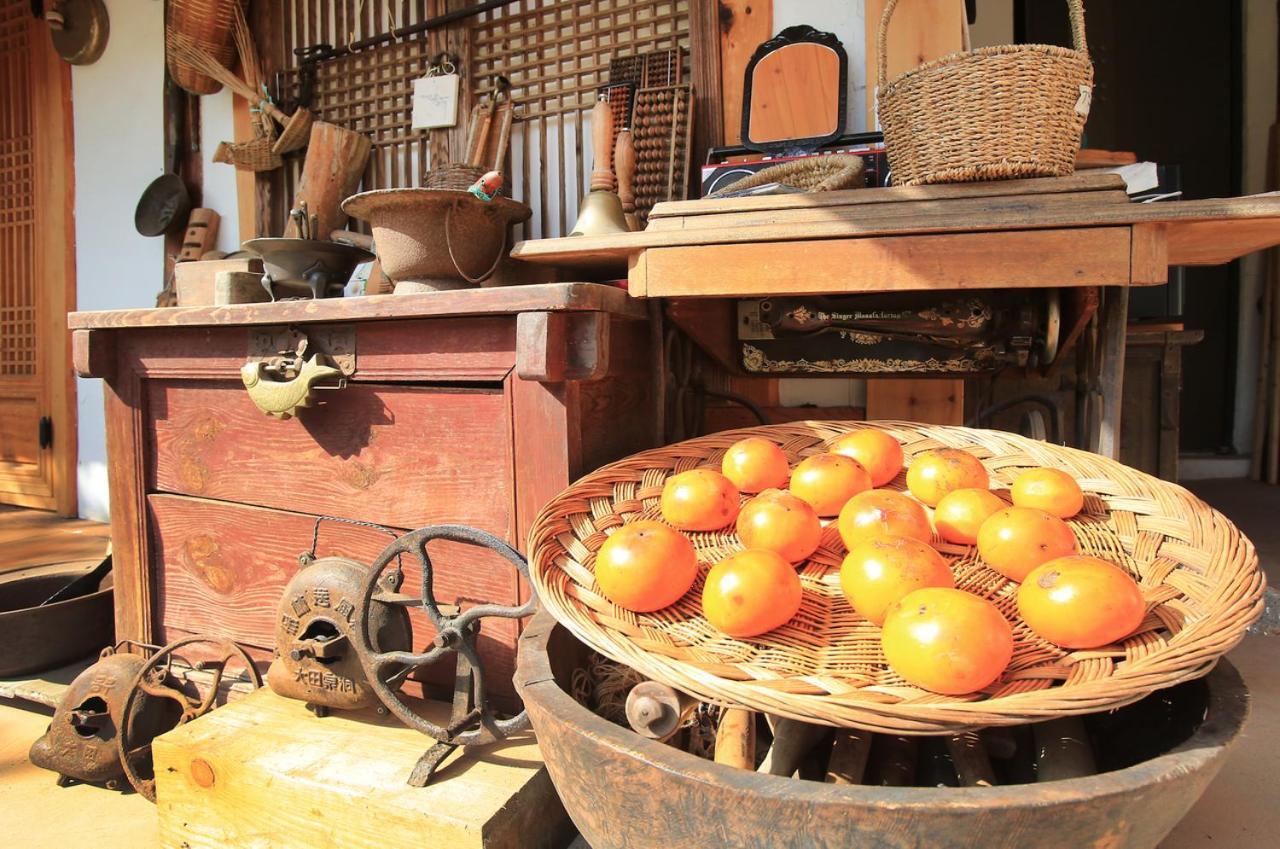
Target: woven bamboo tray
{"points": [[1199, 575]]}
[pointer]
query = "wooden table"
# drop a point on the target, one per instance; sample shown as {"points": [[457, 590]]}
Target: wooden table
{"points": [[471, 407], [1077, 231]]}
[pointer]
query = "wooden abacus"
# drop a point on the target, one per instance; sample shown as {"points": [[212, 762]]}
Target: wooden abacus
{"points": [[663, 141]]}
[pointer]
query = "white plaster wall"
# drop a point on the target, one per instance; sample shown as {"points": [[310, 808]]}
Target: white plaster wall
{"points": [[118, 105], [219, 178]]}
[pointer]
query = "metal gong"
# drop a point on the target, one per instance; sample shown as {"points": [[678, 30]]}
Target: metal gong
{"points": [[81, 35], [473, 721]]}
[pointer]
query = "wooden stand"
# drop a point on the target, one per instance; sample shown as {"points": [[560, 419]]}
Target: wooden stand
{"points": [[265, 772]]}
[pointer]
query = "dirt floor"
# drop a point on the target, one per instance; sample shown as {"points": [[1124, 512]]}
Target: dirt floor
{"points": [[1240, 810]]}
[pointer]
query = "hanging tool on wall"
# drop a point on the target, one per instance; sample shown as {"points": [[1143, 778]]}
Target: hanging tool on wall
{"points": [[322, 51]]}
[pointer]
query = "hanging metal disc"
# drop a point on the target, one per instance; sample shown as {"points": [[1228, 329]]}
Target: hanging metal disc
{"points": [[84, 31]]}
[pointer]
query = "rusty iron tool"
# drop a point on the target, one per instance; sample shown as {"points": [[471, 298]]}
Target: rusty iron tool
{"points": [[656, 710], [156, 680], [80, 743], [473, 721], [316, 627]]}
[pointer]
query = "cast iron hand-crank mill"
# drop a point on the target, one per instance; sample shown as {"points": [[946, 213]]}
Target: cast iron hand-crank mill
{"points": [[473, 721]]}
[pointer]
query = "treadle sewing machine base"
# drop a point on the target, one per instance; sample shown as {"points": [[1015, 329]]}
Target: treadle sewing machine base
{"points": [[266, 772]]}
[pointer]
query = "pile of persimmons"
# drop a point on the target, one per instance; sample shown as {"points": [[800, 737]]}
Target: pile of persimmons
{"points": [[935, 636]]}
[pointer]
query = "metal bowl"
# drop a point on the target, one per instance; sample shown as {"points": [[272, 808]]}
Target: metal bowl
{"points": [[36, 637], [307, 267]]}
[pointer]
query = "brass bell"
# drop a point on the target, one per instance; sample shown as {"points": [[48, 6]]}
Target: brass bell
{"points": [[600, 215], [601, 211]]}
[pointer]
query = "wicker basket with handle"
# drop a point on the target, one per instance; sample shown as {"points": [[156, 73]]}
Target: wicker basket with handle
{"points": [[1199, 575], [995, 113]]}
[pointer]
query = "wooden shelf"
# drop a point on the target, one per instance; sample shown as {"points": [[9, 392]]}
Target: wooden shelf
{"points": [[1079, 230], [498, 300]]}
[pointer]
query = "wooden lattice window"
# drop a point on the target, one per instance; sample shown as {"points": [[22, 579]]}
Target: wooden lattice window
{"points": [[555, 53], [17, 210]]}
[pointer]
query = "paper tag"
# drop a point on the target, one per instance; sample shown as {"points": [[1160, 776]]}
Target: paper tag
{"points": [[435, 101], [1085, 102]]}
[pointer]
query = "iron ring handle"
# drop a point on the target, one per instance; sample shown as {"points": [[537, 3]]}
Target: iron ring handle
{"points": [[450, 631]]}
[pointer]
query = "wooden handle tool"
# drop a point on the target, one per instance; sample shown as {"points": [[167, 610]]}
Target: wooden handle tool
{"points": [[601, 147], [972, 763], [656, 711], [848, 764], [624, 164], [792, 740], [736, 739]]}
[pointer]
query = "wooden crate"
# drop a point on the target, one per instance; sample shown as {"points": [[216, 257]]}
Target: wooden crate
{"points": [[264, 772]]}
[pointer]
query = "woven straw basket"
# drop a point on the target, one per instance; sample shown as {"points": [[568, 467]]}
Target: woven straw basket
{"points": [[1199, 575], [996, 113]]}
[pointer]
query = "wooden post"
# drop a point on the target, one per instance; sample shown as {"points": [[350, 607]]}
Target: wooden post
{"points": [[1113, 324], [919, 32]]}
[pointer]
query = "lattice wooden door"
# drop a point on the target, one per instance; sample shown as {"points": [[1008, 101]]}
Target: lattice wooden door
{"points": [[35, 392]]}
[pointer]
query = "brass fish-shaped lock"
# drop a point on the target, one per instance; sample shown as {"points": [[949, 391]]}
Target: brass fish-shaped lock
{"points": [[283, 398]]}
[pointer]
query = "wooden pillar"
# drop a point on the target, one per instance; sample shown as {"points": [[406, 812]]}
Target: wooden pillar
{"points": [[1113, 318], [918, 33]]}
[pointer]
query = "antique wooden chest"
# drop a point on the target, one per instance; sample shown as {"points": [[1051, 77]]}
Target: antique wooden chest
{"points": [[470, 407]]}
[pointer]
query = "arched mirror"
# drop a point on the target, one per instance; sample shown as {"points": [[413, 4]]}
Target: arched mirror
{"points": [[794, 92]]}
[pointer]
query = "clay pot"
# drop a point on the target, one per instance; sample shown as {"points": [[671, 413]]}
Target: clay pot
{"points": [[434, 239]]}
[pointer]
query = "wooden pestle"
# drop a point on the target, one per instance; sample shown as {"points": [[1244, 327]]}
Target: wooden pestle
{"points": [[792, 740], [972, 763], [624, 163], [736, 739], [601, 136], [655, 710], [848, 764], [1063, 749]]}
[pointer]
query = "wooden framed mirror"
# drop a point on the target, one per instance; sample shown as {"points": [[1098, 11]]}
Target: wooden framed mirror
{"points": [[793, 96]]}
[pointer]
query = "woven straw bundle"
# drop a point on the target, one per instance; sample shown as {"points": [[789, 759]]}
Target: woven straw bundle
{"points": [[995, 113], [814, 174], [1198, 573]]}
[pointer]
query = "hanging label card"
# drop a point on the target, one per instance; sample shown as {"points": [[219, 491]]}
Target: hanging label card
{"points": [[435, 102]]}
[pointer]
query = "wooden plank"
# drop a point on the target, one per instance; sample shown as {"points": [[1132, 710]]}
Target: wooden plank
{"points": [[853, 221], [553, 347], [918, 33], [265, 772], [130, 542], [1035, 207], [916, 400], [45, 688], [348, 457], [1075, 184], [461, 302], [93, 353], [221, 569], [1081, 257], [480, 348], [1149, 255], [40, 538], [744, 25], [1218, 242], [706, 75]]}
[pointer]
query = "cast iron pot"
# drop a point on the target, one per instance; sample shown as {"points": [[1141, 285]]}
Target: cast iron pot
{"points": [[37, 638], [624, 791]]}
